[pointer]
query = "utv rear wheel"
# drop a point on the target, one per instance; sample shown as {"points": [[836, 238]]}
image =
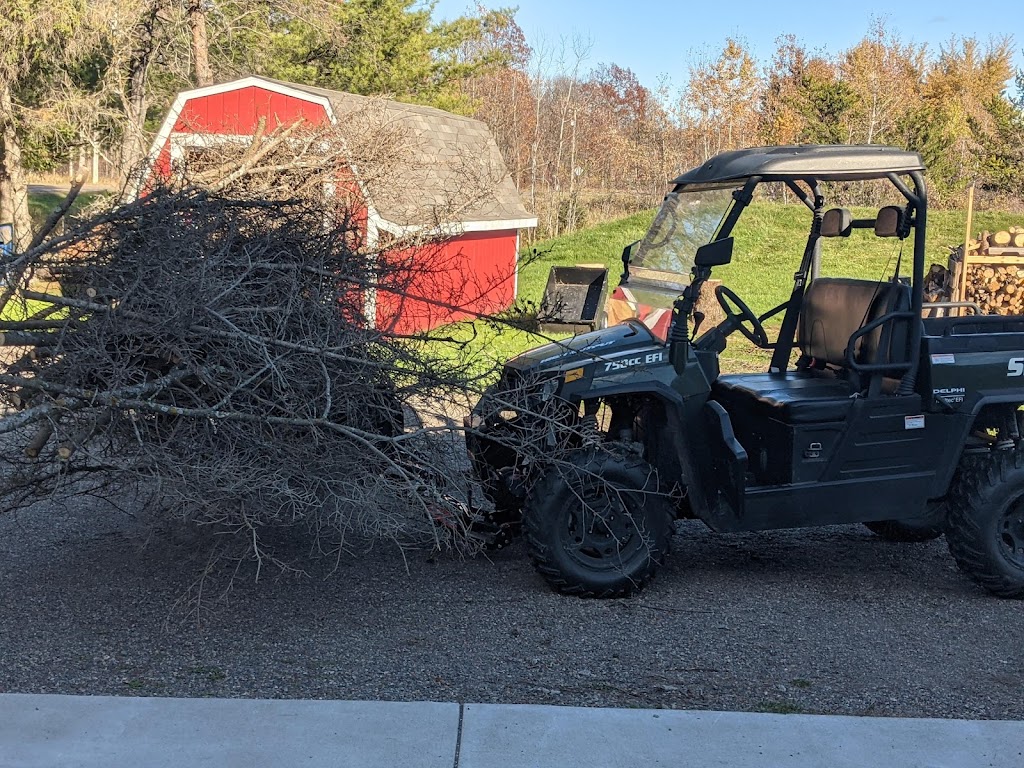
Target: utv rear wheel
{"points": [[597, 526], [985, 530]]}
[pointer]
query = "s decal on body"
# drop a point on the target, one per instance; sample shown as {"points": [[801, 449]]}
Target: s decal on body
{"points": [[631, 362], [1015, 367]]}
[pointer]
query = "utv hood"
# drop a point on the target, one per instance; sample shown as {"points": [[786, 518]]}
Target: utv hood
{"points": [[586, 348]]}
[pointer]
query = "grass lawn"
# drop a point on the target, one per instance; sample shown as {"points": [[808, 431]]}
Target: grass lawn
{"points": [[770, 239], [40, 205]]}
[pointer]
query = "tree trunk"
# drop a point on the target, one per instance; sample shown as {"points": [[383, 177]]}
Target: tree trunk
{"points": [[95, 170], [200, 43], [133, 144], [6, 193], [133, 141], [15, 185]]}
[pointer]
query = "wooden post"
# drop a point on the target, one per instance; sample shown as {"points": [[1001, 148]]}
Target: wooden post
{"points": [[962, 284], [95, 161]]}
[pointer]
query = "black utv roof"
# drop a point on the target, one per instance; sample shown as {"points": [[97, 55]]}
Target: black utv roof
{"points": [[825, 162]]}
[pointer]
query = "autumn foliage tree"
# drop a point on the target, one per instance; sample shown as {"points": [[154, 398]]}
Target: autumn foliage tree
{"points": [[582, 139]]}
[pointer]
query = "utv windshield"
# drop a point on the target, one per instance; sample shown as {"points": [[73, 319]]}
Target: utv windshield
{"points": [[686, 221]]}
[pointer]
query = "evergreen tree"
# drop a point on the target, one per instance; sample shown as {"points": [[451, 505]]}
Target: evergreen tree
{"points": [[391, 47]]}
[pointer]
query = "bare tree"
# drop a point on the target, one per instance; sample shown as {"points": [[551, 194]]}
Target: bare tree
{"points": [[33, 36], [143, 38]]}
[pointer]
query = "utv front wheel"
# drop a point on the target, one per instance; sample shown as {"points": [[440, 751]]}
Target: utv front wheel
{"points": [[493, 456], [985, 530], [597, 526]]}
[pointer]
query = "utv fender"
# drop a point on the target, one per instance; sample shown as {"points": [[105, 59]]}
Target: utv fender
{"points": [[1012, 398], [960, 434], [655, 389], [675, 444]]}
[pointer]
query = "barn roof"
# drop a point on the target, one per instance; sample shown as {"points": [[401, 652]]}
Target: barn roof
{"points": [[456, 164], [450, 166]]}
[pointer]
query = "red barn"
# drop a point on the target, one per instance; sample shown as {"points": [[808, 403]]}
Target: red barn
{"points": [[474, 269]]}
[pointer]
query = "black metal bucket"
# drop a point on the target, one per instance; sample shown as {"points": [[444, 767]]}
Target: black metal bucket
{"points": [[573, 299]]}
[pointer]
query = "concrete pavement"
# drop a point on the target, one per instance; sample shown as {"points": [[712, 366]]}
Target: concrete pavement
{"points": [[39, 731], [521, 736]]}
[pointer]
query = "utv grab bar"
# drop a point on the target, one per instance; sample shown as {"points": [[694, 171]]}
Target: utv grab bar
{"points": [[865, 330], [953, 305]]}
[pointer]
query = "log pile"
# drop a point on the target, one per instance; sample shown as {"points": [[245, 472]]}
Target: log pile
{"points": [[708, 305], [989, 242], [997, 289], [989, 271]]}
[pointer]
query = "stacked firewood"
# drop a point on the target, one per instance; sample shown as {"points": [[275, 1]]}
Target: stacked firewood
{"points": [[992, 274], [997, 289], [1013, 237]]}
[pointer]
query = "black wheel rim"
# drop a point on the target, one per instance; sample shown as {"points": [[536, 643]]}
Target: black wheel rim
{"points": [[601, 532], [1010, 533]]}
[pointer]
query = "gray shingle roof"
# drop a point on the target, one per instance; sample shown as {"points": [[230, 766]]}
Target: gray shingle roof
{"points": [[450, 169]]}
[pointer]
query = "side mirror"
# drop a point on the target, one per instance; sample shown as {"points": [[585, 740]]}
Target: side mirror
{"points": [[627, 254], [714, 254], [889, 222]]}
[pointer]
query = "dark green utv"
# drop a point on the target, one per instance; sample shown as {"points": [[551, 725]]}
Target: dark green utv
{"points": [[869, 412]]}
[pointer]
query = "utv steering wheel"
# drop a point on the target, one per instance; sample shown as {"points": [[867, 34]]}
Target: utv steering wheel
{"points": [[737, 315]]}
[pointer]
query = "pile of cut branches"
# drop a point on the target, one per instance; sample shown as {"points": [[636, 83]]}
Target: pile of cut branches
{"points": [[206, 348]]}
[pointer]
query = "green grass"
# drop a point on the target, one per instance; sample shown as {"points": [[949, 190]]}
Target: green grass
{"points": [[19, 309], [40, 204], [779, 708], [601, 244], [769, 238]]}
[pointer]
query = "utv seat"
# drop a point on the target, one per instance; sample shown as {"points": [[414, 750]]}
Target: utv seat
{"points": [[822, 388], [792, 397]]}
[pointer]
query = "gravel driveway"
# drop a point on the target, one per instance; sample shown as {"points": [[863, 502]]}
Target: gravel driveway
{"points": [[830, 620]]}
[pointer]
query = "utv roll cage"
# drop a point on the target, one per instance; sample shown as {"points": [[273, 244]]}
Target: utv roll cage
{"points": [[810, 166]]}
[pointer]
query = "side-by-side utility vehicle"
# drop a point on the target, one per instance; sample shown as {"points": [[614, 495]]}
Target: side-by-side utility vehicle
{"points": [[870, 411]]}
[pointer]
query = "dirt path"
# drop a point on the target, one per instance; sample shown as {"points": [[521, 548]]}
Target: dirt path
{"points": [[831, 620]]}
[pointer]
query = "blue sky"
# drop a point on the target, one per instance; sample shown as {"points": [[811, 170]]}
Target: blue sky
{"points": [[660, 38]]}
